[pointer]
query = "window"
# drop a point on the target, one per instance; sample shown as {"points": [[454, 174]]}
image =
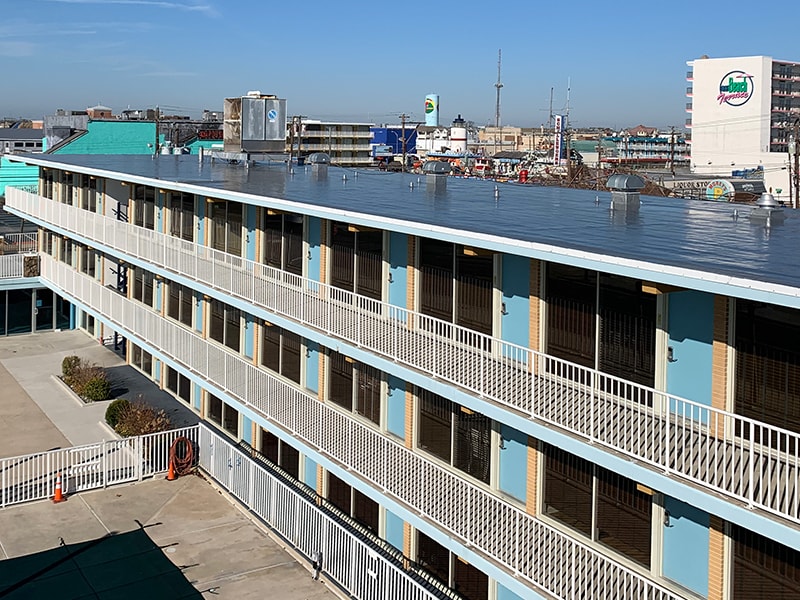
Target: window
{"points": [[767, 383], [180, 303], [355, 387], [142, 286], [353, 503], [283, 242], [88, 261], [455, 434], [451, 569], [179, 384], [224, 324], [280, 453], [66, 251], [222, 414], [141, 359], [89, 193], [181, 215], [226, 226], [144, 206], [763, 568], [622, 517], [280, 351], [357, 259]]}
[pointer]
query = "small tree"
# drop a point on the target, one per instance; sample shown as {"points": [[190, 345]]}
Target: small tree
{"points": [[96, 389], [69, 366], [114, 411], [137, 418]]}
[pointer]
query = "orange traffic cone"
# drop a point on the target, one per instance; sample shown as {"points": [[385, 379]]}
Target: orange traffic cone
{"points": [[58, 496], [171, 472]]}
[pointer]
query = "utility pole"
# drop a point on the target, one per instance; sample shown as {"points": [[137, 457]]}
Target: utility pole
{"points": [[599, 158], [403, 117], [672, 150], [297, 124], [796, 162], [498, 86]]}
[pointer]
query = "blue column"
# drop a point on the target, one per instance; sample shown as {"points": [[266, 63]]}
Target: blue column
{"points": [[250, 238], [398, 269], [160, 211], [516, 300], [685, 552], [249, 335], [514, 463], [247, 430], [394, 530], [312, 366], [310, 473], [314, 247]]}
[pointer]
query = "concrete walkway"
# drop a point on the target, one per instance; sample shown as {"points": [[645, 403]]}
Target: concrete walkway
{"points": [[216, 546], [30, 390]]}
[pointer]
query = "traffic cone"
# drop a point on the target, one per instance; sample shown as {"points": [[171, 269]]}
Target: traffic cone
{"points": [[171, 472], [58, 496]]}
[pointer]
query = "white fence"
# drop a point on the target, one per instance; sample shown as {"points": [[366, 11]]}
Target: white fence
{"points": [[33, 477], [469, 513], [742, 458]]}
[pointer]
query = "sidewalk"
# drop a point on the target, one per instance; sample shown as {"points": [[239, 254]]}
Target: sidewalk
{"points": [[37, 412]]}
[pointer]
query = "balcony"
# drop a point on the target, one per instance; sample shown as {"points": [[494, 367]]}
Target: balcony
{"points": [[13, 260], [475, 517], [724, 452]]}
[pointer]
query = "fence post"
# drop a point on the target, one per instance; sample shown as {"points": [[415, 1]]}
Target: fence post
{"points": [[104, 463], [139, 457]]}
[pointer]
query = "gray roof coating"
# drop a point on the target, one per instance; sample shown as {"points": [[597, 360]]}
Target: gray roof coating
{"points": [[700, 245]]}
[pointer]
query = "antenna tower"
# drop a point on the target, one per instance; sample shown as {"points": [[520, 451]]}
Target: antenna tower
{"points": [[497, 85]]}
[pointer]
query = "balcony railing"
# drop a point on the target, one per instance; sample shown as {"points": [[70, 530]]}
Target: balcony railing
{"points": [[472, 515], [12, 259], [676, 436]]}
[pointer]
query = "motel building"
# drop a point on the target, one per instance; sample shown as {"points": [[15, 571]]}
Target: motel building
{"points": [[528, 393]]}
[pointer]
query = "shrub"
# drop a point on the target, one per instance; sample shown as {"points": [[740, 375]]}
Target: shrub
{"points": [[69, 365], [139, 419], [96, 388], [114, 411]]}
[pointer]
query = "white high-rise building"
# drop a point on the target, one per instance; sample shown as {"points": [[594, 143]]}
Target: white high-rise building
{"points": [[743, 111]]}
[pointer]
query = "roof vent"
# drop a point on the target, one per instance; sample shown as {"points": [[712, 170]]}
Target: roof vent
{"points": [[767, 211], [436, 172], [318, 158], [625, 192]]}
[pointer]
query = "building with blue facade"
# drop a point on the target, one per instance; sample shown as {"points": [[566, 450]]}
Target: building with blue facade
{"points": [[523, 393]]}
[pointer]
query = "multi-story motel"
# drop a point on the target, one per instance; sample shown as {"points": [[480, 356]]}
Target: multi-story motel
{"points": [[526, 393], [742, 114]]}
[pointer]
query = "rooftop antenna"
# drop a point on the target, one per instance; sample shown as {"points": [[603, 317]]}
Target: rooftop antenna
{"points": [[497, 85]]}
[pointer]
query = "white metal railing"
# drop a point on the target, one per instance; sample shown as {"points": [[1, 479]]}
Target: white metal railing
{"points": [[475, 517], [352, 563], [12, 266], [14, 243], [33, 477], [745, 459]]}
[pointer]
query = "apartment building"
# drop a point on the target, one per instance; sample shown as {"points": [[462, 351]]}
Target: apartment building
{"points": [[523, 392], [743, 112]]}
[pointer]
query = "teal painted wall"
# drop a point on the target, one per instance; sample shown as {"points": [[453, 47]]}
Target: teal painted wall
{"points": [[396, 407], [685, 551], [312, 367], [314, 247], [514, 463], [691, 336], [516, 300], [398, 269], [114, 137], [16, 175], [394, 530]]}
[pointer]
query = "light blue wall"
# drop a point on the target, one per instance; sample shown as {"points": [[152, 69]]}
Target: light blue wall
{"points": [[503, 593], [200, 204], [314, 247], [310, 473], [312, 367], [685, 552], [247, 429], [197, 298], [398, 268], [250, 237], [198, 391], [249, 335], [160, 196], [691, 336], [516, 298], [158, 291], [394, 530], [396, 407], [114, 137], [514, 463]]}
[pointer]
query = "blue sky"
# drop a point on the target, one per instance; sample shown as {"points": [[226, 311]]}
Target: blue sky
{"points": [[371, 61]]}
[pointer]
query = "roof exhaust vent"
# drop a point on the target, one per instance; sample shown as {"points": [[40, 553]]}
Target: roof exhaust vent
{"points": [[436, 172], [625, 192], [767, 212], [319, 162]]}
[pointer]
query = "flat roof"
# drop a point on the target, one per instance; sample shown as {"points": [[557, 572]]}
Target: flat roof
{"points": [[695, 244]]}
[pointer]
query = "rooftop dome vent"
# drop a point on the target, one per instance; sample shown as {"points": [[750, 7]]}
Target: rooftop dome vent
{"points": [[767, 212], [625, 192]]}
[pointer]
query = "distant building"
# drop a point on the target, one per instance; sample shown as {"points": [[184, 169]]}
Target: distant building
{"points": [[348, 144], [643, 146], [742, 112]]}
